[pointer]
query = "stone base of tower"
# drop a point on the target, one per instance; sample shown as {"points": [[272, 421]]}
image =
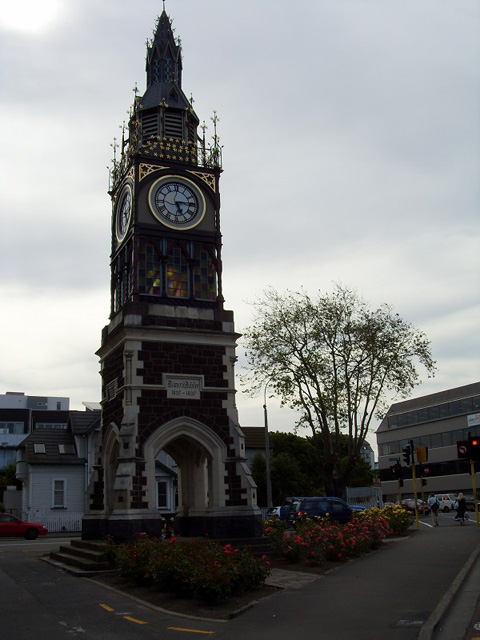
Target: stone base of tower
{"points": [[215, 527], [219, 527], [121, 529]]}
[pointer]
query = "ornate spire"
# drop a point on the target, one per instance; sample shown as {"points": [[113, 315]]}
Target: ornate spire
{"points": [[164, 56]]}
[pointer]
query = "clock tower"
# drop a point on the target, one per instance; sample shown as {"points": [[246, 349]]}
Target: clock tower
{"points": [[167, 355]]}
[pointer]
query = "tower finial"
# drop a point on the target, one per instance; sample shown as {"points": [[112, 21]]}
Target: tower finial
{"points": [[164, 6]]}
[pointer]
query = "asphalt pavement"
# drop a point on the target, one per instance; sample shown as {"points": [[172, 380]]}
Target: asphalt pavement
{"points": [[424, 586], [405, 590]]}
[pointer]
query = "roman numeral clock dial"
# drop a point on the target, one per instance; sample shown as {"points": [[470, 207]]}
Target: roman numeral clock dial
{"points": [[176, 202], [123, 212]]}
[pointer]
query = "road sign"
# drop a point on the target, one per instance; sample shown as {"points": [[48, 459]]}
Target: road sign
{"points": [[462, 448]]}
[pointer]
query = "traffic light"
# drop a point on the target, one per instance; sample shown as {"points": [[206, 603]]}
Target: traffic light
{"points": [[474, 448], [407, 452], [397, 470], [422, 454]]}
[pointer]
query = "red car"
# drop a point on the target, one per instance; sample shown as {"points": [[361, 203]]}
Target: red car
{"points": [[12, 526]]}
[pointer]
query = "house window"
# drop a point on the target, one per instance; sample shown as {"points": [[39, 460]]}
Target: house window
{"points": [[52, 425], [162, 495], [11, 427], [59, 497], [66, 448], [39, 447]]}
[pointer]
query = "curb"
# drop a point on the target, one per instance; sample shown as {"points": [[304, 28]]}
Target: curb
{"points": [[438, 614]]}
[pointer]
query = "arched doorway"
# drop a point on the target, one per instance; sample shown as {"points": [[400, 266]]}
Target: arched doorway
{"points": [[200, 456]]}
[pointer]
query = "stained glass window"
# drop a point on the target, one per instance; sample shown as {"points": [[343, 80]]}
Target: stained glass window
{"points": [[171, 268], [204, 274], [150, 270], [177, 271]]}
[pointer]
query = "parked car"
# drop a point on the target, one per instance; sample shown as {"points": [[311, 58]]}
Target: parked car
{"points": [[288, 505], [12, 526], [274, 512], [446, 501], [409, 505], [332, 508], [470, 500], [356, 507]]}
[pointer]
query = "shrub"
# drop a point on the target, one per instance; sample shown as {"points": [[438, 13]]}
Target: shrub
{"points": [[196, 568], [318, 539], [398, 519]]}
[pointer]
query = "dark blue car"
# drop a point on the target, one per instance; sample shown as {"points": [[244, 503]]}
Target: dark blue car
{"points": [[331, 508]]}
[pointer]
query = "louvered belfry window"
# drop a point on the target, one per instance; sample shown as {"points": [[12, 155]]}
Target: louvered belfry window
{"points": [[149, 126], [174, 125]]}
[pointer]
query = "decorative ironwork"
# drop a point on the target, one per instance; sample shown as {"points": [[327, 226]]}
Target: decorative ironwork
{"points": [[146, 169], [199, 154]]}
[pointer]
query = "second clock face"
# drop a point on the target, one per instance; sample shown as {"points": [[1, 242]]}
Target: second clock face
{"points": [[124, 212], [177, 202]]}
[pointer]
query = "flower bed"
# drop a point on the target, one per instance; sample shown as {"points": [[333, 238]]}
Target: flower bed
{"points": [[317, 540], [200, 569]]}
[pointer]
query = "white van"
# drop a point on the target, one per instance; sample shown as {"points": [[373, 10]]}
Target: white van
{"points": [[446, 501]]}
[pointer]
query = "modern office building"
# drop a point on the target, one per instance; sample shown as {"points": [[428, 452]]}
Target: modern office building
{"points": [[436, 421]]}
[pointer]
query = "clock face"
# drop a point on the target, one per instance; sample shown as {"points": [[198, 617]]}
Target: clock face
{"points": [[124, 212], [177, 202]]}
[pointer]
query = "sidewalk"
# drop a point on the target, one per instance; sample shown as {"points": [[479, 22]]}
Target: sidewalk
{"points": [[407, 590], [458, 612]]}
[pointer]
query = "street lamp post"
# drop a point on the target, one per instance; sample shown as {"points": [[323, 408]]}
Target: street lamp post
{"points": [[267, 450]]}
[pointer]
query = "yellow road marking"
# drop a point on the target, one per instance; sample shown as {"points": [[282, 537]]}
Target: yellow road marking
{"points": [[207, 633], [134, 620], [106, 607]]}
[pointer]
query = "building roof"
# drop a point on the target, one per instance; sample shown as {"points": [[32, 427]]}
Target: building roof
{"points": [[84, 422], [58, 447], [449, 395], [163, 467]]}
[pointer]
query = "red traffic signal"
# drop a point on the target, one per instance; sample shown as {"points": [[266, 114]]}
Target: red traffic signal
{"points": [[474, 448]]}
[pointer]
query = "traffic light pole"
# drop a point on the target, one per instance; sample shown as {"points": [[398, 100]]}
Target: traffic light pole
{"points": [[414, 480], [474, 487]]}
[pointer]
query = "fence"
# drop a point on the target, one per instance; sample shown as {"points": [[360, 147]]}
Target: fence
{"points": [[56, 522], [365, 496]]}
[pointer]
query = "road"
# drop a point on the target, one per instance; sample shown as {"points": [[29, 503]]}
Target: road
{"points": [[386, 594], [42, 602]]}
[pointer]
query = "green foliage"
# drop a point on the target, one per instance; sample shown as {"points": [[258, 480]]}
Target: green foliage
{"points": [[336, 361], [289, 474], [295, 469], [200, 569]]}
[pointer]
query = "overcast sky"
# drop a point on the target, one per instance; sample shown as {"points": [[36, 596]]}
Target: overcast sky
{"points": [[351, 154]]}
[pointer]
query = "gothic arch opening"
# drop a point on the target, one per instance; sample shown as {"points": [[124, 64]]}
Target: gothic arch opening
{"points": [[200, 457], [112, 449]]}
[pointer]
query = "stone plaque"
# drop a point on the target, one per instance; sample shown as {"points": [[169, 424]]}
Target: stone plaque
{"points": [[185, 388]]}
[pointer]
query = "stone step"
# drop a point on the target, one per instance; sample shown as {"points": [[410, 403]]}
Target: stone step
{"points": [[81, 557], [79, 562]]}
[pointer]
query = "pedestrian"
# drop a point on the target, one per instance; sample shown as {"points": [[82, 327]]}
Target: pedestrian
{"points": [[461, 508], [434, 508]]}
